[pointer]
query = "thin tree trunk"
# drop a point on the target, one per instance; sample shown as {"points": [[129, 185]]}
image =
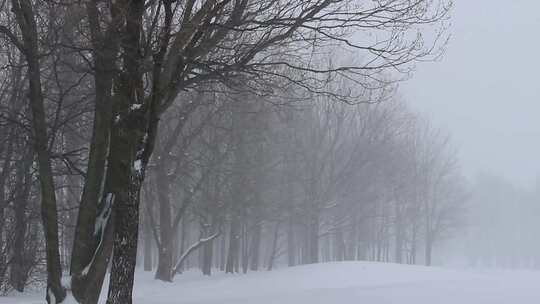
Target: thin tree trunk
{"points": [[291, 245], [413, 244], [273, 249], [398, 254], [222, 250], [20, 264], [147, 245], [339, 245], [314, 238], [165, 251], [183, 235], [428, 250], [231, 265], [245, 248], [255, 247], [207, 254]]}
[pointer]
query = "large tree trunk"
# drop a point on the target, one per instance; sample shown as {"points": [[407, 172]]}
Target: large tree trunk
{"points": [[85, 243], [126, 176], [92, 245], [24, 13], [7, 166], [126, 215], [130, 149]]}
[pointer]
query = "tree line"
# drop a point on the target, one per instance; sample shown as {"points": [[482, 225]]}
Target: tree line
{"points": [[502, 220], [304, 183]]}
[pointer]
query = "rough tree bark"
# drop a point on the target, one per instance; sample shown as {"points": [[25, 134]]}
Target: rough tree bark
{"points": [[127, 158], [24, 13], [92, 244]]}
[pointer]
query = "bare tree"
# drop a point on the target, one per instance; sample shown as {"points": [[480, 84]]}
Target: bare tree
{"points": [[143, 54]]}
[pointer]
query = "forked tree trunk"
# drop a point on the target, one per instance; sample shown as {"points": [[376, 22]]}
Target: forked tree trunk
{"points": [[92, 245]]}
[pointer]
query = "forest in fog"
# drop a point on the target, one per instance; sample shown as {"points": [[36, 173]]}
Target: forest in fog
{"points": [[231, 136]]}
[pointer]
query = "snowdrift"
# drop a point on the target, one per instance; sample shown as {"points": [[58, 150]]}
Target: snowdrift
{"points": [[345, 282]]}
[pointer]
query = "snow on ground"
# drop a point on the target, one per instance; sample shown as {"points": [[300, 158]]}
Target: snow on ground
{"points": [[346, 282]]}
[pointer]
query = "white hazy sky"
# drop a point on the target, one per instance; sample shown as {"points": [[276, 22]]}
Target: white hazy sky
{"points": [[486, 90]]}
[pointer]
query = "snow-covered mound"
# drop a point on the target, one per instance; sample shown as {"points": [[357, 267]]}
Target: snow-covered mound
{"points": [[346, 282]]}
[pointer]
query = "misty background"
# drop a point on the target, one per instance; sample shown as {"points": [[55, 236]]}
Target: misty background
{"points": [[485, 89], [485, 93]]}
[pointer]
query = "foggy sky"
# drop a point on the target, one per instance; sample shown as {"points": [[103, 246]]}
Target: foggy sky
{"points": [[486, 90]]}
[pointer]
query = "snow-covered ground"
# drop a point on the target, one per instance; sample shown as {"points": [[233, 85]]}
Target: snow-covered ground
{"points": [[347, 282]]}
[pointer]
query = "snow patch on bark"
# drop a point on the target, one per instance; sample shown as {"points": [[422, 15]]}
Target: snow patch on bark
{"points": [[99, 228], [137, 165], [103, 217], [66, 282], [192, 248], [69, 299], [52, 298]]}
